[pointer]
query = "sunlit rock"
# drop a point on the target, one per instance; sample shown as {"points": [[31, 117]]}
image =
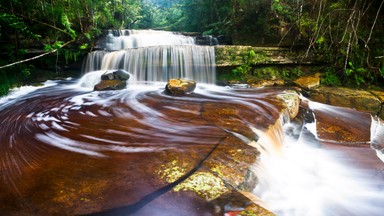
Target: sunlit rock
{"points": [[180, 86], [308, 82], [291, 100], [345, 97]]}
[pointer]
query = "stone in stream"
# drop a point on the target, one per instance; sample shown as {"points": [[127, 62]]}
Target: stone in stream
{"points": [[180, 86], [114, 80]]}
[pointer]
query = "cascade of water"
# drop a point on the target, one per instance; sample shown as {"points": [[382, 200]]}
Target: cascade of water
{"points": [[124, 39], [377, 137], [154, 56], [299, 176]]}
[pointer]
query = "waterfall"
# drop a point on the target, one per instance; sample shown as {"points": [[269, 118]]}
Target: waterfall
{"points": [[154, 56], [298, 175]]}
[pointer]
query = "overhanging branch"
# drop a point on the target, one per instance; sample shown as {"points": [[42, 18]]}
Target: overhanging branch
{"points": [[35, 57]]}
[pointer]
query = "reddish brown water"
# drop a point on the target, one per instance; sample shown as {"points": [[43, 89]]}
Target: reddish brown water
{"points": [[65, 151]]}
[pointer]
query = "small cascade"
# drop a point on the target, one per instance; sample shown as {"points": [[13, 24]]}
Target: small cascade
{"points": [[298, 175], [377, 137], [154, 56]]}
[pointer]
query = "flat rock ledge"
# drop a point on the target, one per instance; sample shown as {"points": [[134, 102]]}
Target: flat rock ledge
{"points": [[371, 101]]}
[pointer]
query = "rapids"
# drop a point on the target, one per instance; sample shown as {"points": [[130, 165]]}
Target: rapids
{"points": [[67, 150]]}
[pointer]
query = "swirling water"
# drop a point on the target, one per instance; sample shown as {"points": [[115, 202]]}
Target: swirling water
{"points": [[66, 149]]}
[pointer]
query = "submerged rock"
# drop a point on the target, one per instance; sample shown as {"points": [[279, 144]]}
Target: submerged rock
{"points": [[180, 86], [112, 80]]}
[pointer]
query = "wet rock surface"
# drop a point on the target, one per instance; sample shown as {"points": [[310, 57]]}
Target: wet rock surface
{"points": [[346, 97], [152, 154], [112, 80], [180, 87], [149, 154]]}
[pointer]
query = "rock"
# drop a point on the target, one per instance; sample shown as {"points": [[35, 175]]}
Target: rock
{"points": [[115, 75], [380, 96], [345, 97], [110, 85], [112, 80], [267, 83], [122, 74], [308, 82], [292, 101], [180, 86]]}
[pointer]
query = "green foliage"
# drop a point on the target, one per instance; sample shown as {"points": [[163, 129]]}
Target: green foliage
{"points": [[65, 22], [13, 22], [357, 76], [250, 58], [287, 74], [9, 79], [330, 78], [382, 71]]}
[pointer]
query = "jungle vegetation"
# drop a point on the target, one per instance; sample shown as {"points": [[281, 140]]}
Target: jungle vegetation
{"points": [[346, 35]]}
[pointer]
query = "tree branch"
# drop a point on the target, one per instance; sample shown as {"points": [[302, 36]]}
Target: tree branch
{"points": [[374, 23], [36, 57], [46, 24]]}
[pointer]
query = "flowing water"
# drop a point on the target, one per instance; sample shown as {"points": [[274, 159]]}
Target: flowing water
{"points": [[312, 176], [155, 56], [67, 150]]}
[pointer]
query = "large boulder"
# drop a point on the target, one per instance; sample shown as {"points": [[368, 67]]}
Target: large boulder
{"points": [[180, 86], [112, 80]]}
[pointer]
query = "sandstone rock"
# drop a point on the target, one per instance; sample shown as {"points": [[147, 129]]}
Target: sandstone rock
{"points": [[308, 82], [380, 96], [292, 102], [344, 97], [180, 86], [267, 83]]}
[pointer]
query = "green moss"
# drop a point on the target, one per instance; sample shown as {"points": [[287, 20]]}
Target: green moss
{"points": [[204, 184]]}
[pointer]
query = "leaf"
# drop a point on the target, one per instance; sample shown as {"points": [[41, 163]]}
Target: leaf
{"points": [[84, 46]]}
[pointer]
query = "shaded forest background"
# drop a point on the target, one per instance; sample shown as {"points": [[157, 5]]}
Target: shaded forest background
{"points": [[346, 35]]}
